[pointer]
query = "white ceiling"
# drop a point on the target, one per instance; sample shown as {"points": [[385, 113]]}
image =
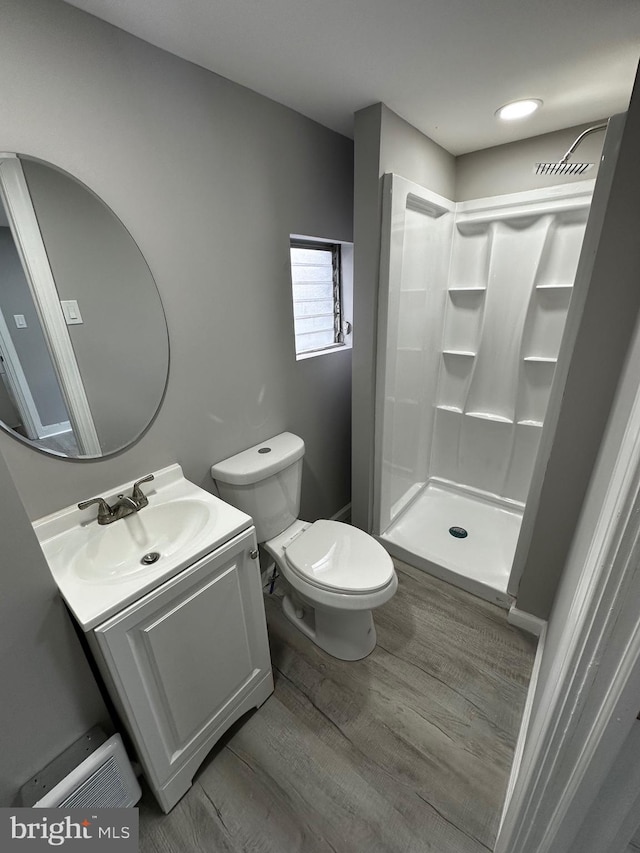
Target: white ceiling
{"points": [[443, 65]]}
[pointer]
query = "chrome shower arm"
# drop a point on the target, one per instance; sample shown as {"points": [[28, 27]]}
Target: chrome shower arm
{"points": [[581, 137]]}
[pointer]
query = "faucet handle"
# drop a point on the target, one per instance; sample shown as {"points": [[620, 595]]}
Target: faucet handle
{"points": [[104, 510], [138, 495]]}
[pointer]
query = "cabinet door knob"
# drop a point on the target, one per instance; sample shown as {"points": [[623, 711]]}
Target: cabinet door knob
{"points": [[254, 554]]}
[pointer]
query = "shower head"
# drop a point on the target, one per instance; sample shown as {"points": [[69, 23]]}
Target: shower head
{"points": [[563, 167]]}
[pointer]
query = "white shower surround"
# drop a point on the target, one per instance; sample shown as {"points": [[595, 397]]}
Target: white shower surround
{"points": [[472, 307]]}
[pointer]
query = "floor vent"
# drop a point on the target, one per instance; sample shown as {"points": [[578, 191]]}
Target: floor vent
{"points": [[105, 779]]}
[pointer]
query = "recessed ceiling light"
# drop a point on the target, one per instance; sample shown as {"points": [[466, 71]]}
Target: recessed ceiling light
{"points": [[518, 109]]}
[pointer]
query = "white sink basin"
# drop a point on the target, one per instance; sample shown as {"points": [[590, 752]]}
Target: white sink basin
{"points": [[99, 569], [114, 552]]}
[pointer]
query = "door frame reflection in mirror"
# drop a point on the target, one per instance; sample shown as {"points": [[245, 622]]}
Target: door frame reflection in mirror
{"points": [[23, 223], [120, 343], [19, 391]]}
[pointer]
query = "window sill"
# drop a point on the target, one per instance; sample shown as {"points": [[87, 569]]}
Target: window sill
{"points": [[301, 356]]}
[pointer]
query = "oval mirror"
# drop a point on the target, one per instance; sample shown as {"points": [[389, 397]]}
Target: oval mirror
{"points": [[84, 350]]}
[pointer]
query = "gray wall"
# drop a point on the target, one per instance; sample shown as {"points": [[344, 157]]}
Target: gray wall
{"points": [[8, 412], [383, 143], [617, 411], [510, 168], [609, 304], [49, 696], [210, 179], [602, 383], [122, 341], [407, 152], [29, 343]]}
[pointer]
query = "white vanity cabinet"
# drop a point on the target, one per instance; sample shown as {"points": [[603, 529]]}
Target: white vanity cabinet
{"points": [[186, 660]]}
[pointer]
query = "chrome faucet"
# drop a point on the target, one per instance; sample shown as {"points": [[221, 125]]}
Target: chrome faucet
{"points": [[124, 502], [124, 506]]}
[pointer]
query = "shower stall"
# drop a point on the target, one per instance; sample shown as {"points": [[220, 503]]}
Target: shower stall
{"points": [[472, 306]]}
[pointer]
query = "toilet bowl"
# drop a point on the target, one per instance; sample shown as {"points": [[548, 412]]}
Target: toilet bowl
{"points": [[335, 574]]}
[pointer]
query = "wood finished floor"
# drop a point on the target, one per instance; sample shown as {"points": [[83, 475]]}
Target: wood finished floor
{"points": [[65, 443], [408, 750]]}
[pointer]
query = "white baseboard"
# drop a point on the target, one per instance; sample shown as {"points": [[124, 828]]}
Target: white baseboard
{"points": [[526, 714], [343, 514], [51, 430], [527, 621]]}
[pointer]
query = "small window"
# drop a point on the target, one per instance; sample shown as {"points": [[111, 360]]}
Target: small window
{"points": [[317, 296]]}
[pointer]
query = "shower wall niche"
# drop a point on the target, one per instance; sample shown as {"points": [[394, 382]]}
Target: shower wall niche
{"points": [[473, 302]]}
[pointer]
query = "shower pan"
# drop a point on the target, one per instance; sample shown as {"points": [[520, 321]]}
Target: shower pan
{"points": [[472, 306]]}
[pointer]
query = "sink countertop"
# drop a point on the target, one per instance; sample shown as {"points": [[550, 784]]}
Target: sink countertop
{"points": [[69, 534]]}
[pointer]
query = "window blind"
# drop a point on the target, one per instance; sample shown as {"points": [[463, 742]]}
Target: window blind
{"points": [[315, 277]]}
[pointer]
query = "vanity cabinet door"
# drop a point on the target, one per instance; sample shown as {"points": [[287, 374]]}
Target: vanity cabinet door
{"points": [[184, 659]]}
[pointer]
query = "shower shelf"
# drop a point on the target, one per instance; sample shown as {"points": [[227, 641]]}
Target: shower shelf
{"points": [[554, 286], [462, 352], [539, 359], [467, 221], [489, 416], [530, 423], [483, 416], [464, 289]]}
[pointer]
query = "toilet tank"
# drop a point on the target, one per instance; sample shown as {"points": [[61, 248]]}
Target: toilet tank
{"points": [[264, 481]]}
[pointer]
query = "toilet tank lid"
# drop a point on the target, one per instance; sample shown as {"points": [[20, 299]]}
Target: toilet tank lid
{"points": [[260, 461]]}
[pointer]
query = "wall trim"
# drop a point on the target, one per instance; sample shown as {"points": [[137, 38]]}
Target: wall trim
{"points": [[14, 373], [526, 621], [35, 262], [526, 714], [592, 694], [343, 514]]}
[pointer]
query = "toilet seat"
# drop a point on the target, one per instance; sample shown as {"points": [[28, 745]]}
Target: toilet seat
{"points": [[336, 557]]}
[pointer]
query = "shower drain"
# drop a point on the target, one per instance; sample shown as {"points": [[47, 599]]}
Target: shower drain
{"points": [[458, 532]]}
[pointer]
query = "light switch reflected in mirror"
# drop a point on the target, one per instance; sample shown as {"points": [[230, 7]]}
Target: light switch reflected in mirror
{"points": [[84, 350]]}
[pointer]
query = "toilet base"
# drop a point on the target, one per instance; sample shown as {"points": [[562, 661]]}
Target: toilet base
{"points": [[346, 635]]}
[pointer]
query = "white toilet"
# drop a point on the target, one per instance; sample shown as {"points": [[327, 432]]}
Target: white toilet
{"points": [[336, 574]]}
